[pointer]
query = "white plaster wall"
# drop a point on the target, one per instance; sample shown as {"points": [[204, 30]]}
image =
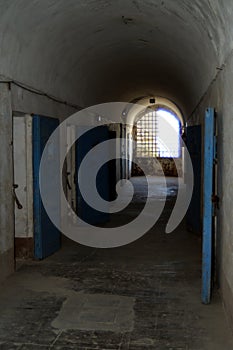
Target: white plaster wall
{"points": [[23, 175], [6, 181], [6, 173], [27, 102], [220, 96]]}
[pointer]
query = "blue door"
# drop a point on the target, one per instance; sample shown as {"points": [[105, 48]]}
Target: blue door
{"points": [[208, 227], [46, 235], [85, 143], [194, 145]]}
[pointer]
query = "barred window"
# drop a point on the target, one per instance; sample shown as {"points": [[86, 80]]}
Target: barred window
{"points": [[147, 136], [155, 137]]}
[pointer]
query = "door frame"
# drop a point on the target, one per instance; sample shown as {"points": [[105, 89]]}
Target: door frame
{"points": [[24, 241]]}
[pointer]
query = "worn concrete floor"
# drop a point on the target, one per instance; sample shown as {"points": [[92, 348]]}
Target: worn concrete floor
{"points": [[142, 296]]}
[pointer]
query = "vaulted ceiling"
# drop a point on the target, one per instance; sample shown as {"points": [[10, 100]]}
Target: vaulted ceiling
{"points": [[94, 51]]}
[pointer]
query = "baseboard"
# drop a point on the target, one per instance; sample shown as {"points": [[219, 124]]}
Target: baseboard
{"points": [[227, 297], [7, 264], [24, 247]]}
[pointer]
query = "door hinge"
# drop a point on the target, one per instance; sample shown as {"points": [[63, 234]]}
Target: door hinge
{"points": [[215, 157], [215, 202]]}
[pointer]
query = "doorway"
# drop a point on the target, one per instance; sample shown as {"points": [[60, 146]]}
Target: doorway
{"points": [[35, 235], [23, 185]]}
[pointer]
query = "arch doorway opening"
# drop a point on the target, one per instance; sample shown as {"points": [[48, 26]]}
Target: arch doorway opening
{"points": [[157, 134]]}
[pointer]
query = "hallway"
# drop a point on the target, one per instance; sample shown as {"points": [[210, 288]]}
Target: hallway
{"points": [[142, 296], [150, 81]]}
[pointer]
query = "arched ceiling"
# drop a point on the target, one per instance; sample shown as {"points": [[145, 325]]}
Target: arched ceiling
{"points": [[94, 51], [137, 108]]}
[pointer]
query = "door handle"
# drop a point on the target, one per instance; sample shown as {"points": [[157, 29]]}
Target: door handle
{"points": [[19, 205]]}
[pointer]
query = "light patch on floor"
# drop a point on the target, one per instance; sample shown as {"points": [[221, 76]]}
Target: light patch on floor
{"points": [[96, 312]]}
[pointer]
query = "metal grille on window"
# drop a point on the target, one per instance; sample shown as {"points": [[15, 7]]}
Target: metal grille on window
{"points": [[147, 145]]}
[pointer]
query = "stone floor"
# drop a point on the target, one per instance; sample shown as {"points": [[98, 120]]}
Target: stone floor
{"points": [[145, 295]]}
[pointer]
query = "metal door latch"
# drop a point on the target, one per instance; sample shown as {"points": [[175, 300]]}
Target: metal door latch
{"points": [[19, 205]]}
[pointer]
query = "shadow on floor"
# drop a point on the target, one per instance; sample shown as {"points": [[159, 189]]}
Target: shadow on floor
{"points": [[145, 295]]}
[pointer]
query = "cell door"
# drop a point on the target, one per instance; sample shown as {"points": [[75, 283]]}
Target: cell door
{"points": [[209, 195], [88, 140], [46, 235]]}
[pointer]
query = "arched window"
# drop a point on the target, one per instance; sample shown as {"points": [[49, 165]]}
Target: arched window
{"points": [[158, 135]]}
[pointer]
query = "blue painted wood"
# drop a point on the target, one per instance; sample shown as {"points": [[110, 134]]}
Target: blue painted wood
{"points": [[194, 145], [46, 235], [209, 154], [84, 144]]}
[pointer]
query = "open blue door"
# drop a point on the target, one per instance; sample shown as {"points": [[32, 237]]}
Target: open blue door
{"points": [[208, 227], [46, 235], [194, 145], [85, 143]]}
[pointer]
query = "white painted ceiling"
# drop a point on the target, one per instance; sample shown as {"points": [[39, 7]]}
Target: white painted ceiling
{"points": [[94, 51]]}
